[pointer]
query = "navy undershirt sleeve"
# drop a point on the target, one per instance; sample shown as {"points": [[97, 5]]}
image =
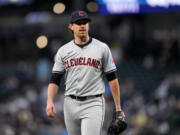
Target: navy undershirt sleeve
{"points": [[111, 76], [55, 78]]}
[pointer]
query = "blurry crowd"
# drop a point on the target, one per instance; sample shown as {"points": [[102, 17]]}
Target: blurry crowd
{"points": [[148, 71]]}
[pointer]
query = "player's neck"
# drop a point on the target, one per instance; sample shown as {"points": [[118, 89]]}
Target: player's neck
{"points": [[81, 40]]}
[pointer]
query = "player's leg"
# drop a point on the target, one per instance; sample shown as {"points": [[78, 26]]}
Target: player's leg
{"points": [[92, 121], [73, 124]]}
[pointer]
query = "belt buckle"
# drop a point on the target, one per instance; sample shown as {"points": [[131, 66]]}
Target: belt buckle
{"points": [[76, 98], [88, 97]]}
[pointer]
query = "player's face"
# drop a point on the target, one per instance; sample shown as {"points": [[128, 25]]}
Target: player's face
{"points": [[80, 28]]}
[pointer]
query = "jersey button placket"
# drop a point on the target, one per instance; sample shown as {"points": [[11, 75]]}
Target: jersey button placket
{"points": [[83, 54], [78, 73]]}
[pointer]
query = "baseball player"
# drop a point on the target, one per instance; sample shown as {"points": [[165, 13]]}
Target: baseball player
{"points": [[84, 61]]}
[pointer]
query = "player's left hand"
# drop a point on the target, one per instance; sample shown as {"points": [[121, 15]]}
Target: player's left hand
{"points": [[118, 124], [120, 115]]}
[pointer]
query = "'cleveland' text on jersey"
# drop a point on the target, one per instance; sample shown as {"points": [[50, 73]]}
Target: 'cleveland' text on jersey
{"points": [[81, 61]]}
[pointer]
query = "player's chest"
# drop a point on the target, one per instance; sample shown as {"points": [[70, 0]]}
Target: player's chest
{"points": [[87, 52]]}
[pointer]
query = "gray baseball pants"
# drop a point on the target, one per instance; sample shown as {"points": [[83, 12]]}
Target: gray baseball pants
{"points": [[84, 117]]}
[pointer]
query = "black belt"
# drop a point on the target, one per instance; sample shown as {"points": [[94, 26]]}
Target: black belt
{"points": [[84, 98]]}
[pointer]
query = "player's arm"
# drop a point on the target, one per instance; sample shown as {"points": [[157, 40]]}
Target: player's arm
{"points": [[115, 89], [50, 108], [118, 124], [51, 93], [110, 72]]}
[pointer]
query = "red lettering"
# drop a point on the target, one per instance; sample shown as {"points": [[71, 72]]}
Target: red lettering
{"points": [[80, 60], [67, 64], [72, 62], [97, 63], [84, 61], [76, 61], [89, 61], [93, 62]]}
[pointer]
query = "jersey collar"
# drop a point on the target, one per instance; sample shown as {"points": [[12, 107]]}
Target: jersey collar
{"points": [[90, 40]]}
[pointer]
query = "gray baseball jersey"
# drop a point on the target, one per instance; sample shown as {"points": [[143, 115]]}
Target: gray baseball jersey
{"points": [[84, 67]]}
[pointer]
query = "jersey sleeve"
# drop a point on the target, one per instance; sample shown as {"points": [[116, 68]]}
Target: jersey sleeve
{"points": [[59, 66], [108, 62]]}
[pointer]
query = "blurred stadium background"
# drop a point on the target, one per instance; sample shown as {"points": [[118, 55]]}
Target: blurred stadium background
{"points": [[144, 37]]}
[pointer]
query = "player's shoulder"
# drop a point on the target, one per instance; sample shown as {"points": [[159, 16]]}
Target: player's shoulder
{"points": [[100, 44], [65, 47]]}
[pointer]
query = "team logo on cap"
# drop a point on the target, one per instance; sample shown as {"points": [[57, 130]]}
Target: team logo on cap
{"points": [[80, 13]]}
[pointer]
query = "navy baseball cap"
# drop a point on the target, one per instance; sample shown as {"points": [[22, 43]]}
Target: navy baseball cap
{"points": [[78, 15]]}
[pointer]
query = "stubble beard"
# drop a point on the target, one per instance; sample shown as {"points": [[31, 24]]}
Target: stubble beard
{"points": [[83, 37]]}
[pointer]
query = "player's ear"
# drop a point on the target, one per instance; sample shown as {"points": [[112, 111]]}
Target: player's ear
{"points": [[71, 27]]}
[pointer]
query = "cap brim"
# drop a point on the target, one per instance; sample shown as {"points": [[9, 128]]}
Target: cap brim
{"points": [[88, 20]]}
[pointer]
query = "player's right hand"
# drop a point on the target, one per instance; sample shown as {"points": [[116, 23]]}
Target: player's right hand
{"points": [[50, 110]]}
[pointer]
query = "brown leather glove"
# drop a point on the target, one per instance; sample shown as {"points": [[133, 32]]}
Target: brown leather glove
{"points": [[118, 124]]}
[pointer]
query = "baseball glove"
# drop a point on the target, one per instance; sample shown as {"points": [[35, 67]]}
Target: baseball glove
{"points": [[118, 124]]}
